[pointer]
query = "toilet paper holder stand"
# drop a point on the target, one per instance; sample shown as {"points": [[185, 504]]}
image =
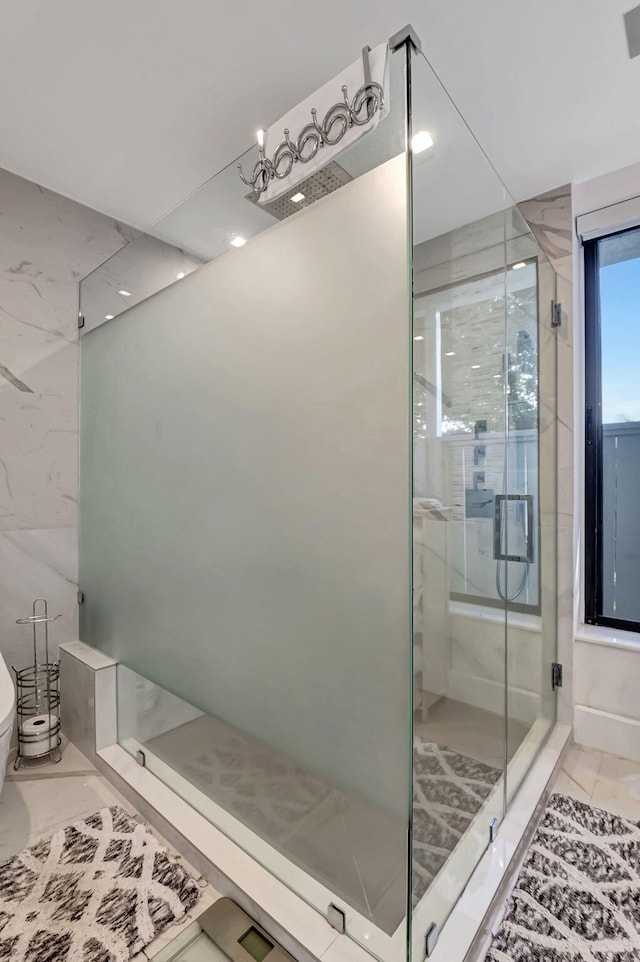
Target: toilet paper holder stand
{"points": [[38, 694]]}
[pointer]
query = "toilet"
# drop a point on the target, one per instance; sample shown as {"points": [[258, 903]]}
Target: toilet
{"points": [[7, 716]]}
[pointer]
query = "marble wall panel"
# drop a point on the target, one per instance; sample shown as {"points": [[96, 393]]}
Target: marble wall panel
{"points": [[47, 244]]}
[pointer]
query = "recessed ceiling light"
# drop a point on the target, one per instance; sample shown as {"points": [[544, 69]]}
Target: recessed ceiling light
{"points": [[238, 241], [450, 354], [125, 293], [297, 198], [418, 337], [516, 267], [474, 367], [180, 275], [108, 317], [421, 141], [496, 375]]}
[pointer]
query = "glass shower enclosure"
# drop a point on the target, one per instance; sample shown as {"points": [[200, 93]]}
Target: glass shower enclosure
{"points": [[317, 525]]}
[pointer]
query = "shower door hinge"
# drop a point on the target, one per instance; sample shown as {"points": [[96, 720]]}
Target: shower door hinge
{"points": [[141, 759], [80, 321], [494, 825], [337, 918], [430, 939], [556, 675], [556, 314], [80, 597]]}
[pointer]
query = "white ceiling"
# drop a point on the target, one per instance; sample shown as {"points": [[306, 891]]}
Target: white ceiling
{"points": [[128, 105]]}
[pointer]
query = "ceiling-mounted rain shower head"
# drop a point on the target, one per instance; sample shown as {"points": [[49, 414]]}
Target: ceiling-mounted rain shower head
{"points": [[318, 185], [632, 27]]}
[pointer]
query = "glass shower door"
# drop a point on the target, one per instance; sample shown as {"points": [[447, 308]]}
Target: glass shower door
{"points": [[526, 518], [484, 379]]}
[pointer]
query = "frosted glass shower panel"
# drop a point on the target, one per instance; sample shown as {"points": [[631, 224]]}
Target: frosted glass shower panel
{"points": [[245, 488]]}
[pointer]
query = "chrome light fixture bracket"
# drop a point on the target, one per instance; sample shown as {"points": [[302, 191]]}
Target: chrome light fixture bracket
{"points": [[341, 117]]}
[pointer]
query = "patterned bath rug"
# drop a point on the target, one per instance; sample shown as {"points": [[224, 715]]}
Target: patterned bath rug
{"points": [[449, 789], [95, 891], [577, 898]]}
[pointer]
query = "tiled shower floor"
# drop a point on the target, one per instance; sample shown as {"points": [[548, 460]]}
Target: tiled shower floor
{"points": [[472, 731], [359, 853]]}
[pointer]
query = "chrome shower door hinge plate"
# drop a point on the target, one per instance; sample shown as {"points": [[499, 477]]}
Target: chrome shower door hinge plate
{"points": [[141, 758], [494, 825], [430, 939], [556, 675], [337, 918], [80, 321], [80, 597], [556, 314]]}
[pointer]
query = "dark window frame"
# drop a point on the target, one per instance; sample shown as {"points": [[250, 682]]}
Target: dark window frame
{"points": [[593, 444]]}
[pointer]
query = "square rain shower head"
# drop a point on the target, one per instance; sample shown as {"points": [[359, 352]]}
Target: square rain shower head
{"points": [[318, 185], [632, 27]]}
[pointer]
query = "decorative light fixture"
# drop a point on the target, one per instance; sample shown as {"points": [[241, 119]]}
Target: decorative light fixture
{"points": [[125, 293], [238, 241], [297, 198], [474, 367], [520, 264], [421, 141], [339, 118]]}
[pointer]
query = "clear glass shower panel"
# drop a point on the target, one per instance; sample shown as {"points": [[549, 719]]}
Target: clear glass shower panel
{"points": [[484, 386], [245, 531], [463, 223], [223, 212]]}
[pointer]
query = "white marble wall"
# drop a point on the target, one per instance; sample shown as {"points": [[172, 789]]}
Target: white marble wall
{"points": [[47, 244]]}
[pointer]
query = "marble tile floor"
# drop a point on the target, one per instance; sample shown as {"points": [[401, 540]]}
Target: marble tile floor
{"points": [[591, 776], [43, 797], [38, 799], [603, 780]]}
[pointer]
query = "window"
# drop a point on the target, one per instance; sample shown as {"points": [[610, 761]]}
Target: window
{"points": [[612, 430]]}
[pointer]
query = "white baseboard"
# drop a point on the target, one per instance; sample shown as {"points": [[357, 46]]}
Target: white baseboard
{"points": [[605, 732]]}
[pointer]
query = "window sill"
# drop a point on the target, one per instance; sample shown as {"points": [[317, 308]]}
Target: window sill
{"points": [[609, 637]]}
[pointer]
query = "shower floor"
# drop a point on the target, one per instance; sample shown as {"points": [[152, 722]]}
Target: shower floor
{"points": [[355, 850], [471, 731]]}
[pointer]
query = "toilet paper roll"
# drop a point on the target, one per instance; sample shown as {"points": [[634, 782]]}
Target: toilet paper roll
{"points": [[41, 734]]}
